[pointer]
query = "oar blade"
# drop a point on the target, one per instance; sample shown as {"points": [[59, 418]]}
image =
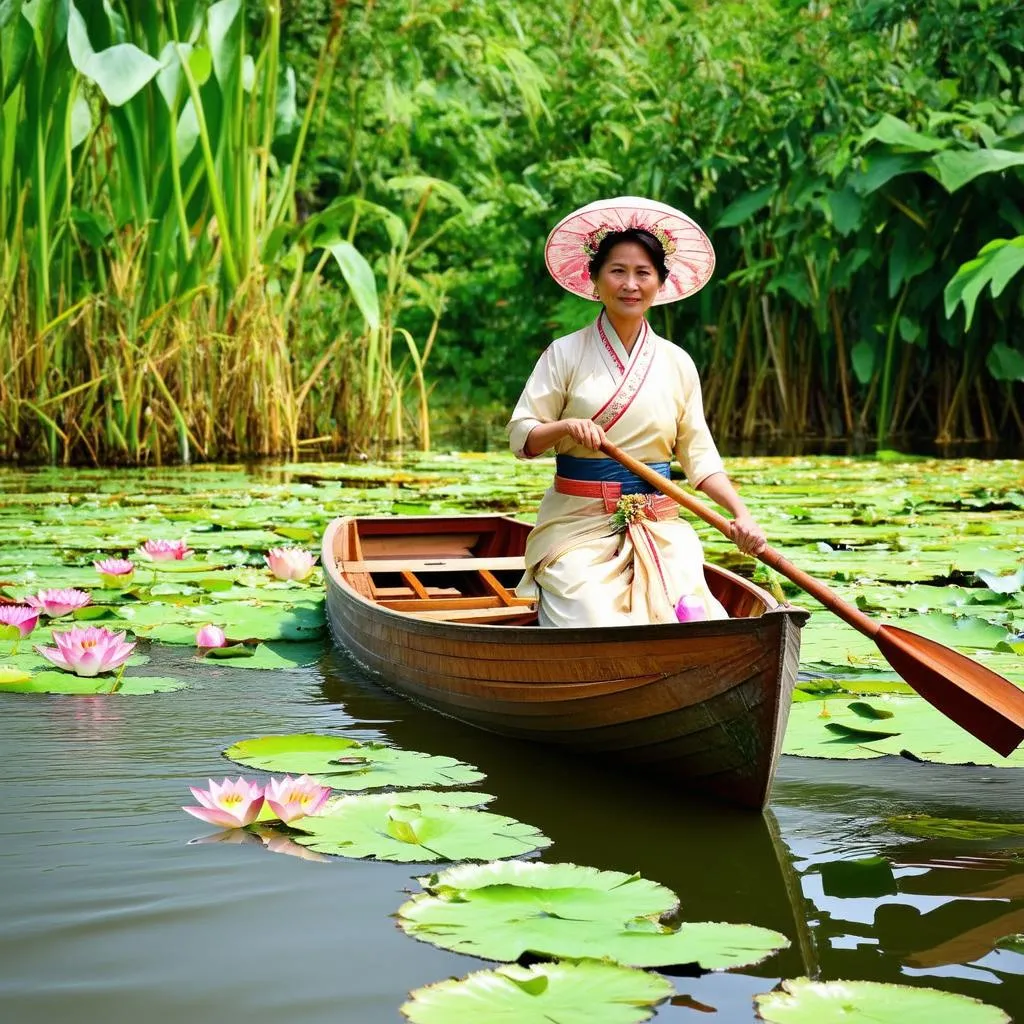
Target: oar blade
{"points": [[979, 700]]}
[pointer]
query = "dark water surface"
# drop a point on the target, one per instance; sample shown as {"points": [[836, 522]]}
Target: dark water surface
{"points": [[110, 913]]}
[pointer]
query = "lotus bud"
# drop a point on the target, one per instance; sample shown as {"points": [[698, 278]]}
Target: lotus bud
{"points": [[211, 636], [690, 608]]}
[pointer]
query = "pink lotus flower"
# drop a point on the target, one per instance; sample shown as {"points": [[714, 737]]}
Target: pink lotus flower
{"points": [[290, 563], [690, 608], [165, 550], [292, 798], [55, 602], [20, 618], [230, 804], [211, 636], [88, 651], [115, 572]]}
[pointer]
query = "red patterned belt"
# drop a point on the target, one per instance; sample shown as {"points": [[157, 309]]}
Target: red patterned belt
{"points": [[659, 506]]}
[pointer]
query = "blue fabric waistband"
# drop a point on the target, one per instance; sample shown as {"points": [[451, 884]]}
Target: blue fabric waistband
{"points": [[607, 469]]}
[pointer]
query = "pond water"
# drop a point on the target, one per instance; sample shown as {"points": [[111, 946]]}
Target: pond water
{"points": [[114, 908]]}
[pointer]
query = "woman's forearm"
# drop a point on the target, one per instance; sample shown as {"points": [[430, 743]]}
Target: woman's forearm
{"points": [[543, 436], [720, 489]]}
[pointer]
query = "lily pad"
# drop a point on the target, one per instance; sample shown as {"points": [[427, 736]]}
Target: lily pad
{"points": [[802, 1001], [915, 729], [348, 764], [66, 682], [390, 827], [503, 920], [279, 655], [582, 993]]}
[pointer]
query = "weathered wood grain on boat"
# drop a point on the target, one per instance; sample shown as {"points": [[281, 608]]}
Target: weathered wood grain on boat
{"points": [[427, 604]]}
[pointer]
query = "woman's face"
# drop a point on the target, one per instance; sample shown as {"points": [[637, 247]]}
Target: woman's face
{"points": [[627, 283]]}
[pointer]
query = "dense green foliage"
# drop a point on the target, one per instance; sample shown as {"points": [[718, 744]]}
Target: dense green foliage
{"points": [[849, 159]]}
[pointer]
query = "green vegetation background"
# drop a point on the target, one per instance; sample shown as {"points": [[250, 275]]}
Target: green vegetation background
{"points": [[168, 281]]}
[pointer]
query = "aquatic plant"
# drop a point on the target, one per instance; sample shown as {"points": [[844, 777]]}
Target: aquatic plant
{"points": [[290, 798], [18, 620], [229, 804], [210, 636], [115, 572], [290, 563], [598, 993], [165, 550], [56, 602], [803, 1001], [87, 652]]}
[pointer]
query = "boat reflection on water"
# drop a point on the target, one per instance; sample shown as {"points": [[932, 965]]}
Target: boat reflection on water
{"points": [[826, 865], [724, 864]]}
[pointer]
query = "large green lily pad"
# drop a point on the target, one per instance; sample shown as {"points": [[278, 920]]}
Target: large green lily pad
{"points": [[915, 728], [581, 993], [924, 826], [390, 827], [505, 920], [66, 682], [348, 764], [802, 1001]]}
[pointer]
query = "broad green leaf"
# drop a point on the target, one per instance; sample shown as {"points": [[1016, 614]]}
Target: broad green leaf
{"points": [[504, 921], [862, 358], [916, 728], [581, 993], [847, 209], [998, 262], [1003, 362], [1011, 583], [864, 877], [66, 682], [388, 827], [359, 276], [10, 675], [739, 211], [277, 656], [802, 1001], [81, 120], [895, 132], [223, 31], [957, 168], [343, 763]]}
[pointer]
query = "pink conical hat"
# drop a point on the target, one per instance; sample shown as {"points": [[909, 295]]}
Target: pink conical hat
{"points": [[688, 252]]}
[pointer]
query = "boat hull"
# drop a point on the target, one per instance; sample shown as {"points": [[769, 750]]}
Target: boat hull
{"points": [[700, 705]]}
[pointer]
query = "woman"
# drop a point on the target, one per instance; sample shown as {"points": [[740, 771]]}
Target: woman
{"points": [[607, 548]]}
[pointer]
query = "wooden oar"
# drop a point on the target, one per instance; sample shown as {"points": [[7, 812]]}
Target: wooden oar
{"points": [[976, 698]]}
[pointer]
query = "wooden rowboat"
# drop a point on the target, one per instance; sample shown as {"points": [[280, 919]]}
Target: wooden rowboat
{"points": [[427, 604]]}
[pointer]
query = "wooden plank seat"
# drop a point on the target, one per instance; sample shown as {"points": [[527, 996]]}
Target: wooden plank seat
{"points": [[519, 614], [456, 603], [427, 565]]}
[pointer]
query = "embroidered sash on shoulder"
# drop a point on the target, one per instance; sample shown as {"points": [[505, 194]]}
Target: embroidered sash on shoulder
{"points": [[633, 375]]}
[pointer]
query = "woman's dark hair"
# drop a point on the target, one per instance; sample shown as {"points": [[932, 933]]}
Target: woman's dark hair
{"points": [[644, 239]]}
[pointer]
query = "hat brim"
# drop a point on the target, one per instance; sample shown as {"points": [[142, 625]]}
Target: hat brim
{"points": [[689, 268]]}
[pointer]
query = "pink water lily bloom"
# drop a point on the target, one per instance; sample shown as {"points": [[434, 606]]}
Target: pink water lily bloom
{"points": [[292, 798], [211, 636], [165, 550], [115, 572], [290, 563], [88, 651], [231, 804], [56, 602], [21, 618]]}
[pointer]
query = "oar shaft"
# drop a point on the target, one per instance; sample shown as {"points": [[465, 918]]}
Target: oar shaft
{"points": [[847, 612]]}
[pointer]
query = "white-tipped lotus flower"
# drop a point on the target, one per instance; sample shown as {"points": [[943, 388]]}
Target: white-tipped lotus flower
{"points": [[290, 563], [230, 804], [58, 601], [115, 572], [20, 618], [165, 550], [88, 651], [292, 798]]}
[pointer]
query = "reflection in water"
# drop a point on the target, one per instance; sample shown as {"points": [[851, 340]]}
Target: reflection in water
{"points": [[111, 913]]}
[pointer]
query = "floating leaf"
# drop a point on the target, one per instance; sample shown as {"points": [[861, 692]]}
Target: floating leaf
{"points": [[916, 729], [865, 710], [868, 876], [343, 763], [389, 827], [503, 920], [924, 826], [582, 993], [802, 1001], [67, 682], [10, 675], [279, 655]]}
